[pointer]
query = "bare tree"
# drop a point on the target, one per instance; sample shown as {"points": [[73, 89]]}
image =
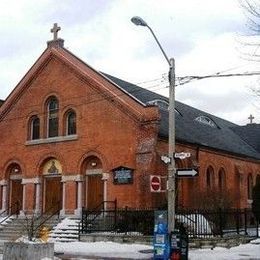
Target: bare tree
{"points": [[251, 41]]}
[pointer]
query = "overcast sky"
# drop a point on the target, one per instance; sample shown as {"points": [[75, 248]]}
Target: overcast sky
{"points": [[203, 36]]}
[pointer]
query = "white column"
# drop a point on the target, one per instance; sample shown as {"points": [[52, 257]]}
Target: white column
{"points": [[37, 202], [105, 177], [22, 212], [79, 200], [62, 212], [4, 197]]}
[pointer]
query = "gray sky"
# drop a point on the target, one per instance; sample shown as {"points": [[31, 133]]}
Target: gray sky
{"points": [[203, 36]]}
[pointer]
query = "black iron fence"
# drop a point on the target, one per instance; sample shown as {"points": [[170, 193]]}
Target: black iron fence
{"points": [[219, 223], [198, 223]]}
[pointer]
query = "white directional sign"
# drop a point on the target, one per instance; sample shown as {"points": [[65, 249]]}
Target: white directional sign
{"points": [[186, 173], [182, 155]]}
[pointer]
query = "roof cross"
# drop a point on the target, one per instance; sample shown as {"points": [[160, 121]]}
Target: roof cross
{"points": [[251, 118], [55, 30]]}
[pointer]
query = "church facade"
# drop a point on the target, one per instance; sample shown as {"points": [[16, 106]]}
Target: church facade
{"points": [[73, 137]]}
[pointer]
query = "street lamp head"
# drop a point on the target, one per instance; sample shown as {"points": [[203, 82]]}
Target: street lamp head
{"points": [[138, 21]]}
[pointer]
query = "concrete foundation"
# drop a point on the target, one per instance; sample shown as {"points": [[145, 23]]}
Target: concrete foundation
{"points": [[23, 251]]}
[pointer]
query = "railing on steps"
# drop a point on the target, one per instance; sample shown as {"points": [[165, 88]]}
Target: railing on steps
{"points": [[106, 209], [34, 223], [12, 208]]}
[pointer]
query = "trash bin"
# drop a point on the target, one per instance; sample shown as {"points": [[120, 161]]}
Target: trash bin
{"points": [[179, 243]]}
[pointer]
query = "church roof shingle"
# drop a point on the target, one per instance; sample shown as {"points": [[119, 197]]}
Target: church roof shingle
{"points": [[226, 136]]}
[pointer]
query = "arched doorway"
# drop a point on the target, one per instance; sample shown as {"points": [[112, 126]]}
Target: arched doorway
{"points": [[15, 188], [94, 184], [52, 192]]}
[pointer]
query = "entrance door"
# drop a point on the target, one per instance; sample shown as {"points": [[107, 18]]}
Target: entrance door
{"points": [[53, 194], [95, 193], [16, 196]]}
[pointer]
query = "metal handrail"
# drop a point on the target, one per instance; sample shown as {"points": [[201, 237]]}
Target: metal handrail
{"points": [[9, 209], [31, 229], [49, 216], [96, 212]]}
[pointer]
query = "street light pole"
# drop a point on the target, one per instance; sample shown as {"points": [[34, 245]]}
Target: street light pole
{"points": [[171, 193]]}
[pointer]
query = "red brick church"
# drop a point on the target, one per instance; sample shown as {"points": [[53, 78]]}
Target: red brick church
{"points": [[72, 137]]}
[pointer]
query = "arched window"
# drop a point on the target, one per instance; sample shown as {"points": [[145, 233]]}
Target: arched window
{"points": [[53, 117], [206, 121], [249, 186], [221, 180], [71, 127], [35, 128], [210, 178]]}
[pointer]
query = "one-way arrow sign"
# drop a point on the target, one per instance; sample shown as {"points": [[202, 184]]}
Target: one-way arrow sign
{"points": [[186, 173]]}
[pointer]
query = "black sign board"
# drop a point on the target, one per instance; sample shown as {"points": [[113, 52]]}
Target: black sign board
{"points": [[123, 175]]}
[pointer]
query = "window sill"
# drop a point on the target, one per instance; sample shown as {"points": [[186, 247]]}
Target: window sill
{"points": [[52, 140]]}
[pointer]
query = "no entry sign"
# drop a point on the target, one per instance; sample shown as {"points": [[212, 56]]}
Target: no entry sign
{"points": [[155, 183]]}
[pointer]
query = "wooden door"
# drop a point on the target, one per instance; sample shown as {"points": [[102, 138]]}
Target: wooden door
{"points": [[95, 191], [16, 196], [53, 194]]}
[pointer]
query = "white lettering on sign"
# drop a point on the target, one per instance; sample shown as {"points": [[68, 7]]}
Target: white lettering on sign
{"points": [[182, 155], [155, 183]]}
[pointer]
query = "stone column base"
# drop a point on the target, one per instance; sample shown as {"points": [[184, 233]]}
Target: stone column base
{"points": [[62, 212], [78, 212]]}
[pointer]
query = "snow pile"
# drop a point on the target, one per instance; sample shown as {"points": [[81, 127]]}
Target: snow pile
{"points": [[104, 249], [6, 220], [65, 231], [195, 223]]}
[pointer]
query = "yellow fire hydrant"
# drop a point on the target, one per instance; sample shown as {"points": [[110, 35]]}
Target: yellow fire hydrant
{"points": [[44, 234]]}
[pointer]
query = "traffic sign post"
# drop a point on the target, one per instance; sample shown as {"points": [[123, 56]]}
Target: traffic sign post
{"points": [[187, 172], [155, 183]]}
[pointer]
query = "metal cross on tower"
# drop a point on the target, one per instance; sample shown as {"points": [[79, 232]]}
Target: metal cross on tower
{"points": [[251, 118], [55, 30]]}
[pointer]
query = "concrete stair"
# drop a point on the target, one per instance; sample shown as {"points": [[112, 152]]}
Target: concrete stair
{"points": [[66, 231], [15, 228]]}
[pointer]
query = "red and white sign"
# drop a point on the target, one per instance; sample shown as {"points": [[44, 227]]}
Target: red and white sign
{"points": [[155, 183]]}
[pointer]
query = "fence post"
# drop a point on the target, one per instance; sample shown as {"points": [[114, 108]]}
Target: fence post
{"points": [[257, 228], [115, 214], [245, 219], [126, 220], [220, 223], [237, 220]]}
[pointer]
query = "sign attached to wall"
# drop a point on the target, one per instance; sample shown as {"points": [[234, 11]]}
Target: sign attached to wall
{"points": [[155, 183], [123, 175]]}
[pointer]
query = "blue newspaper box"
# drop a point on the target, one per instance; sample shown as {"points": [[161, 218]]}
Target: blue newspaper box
{"points": [[161, 238]]}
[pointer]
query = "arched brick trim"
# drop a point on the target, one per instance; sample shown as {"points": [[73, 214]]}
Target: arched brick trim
{"points": [[257, 178], [249, 186], [9, 164], [45, 103], [65, 114], [210, 177], [47, 157], [88, 155], [222, 179]]}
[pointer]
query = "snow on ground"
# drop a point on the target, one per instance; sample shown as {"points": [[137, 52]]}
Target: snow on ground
{"points": [[132, 251], [103, 249]]}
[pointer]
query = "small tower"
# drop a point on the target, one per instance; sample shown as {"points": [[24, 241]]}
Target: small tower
{"points": [[56, 42]]}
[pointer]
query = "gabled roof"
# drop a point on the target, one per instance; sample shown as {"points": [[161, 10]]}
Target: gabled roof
{"points": [[108, 89], [249, 133], [1, 102], [225, 136]]}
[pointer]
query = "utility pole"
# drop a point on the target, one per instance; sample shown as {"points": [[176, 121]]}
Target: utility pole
{"points": [[171, 193]]}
